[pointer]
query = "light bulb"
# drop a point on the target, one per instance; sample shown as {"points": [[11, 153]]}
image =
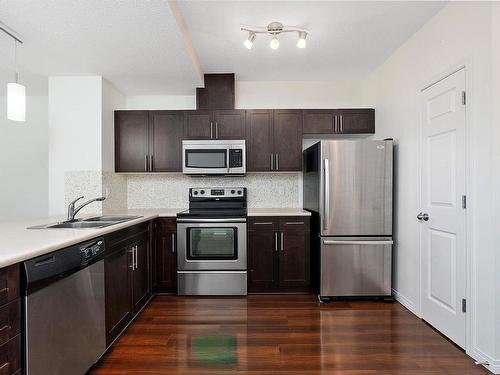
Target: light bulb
{"points": [[16, 102], [275, 43], [249, 41], [301, 43]]}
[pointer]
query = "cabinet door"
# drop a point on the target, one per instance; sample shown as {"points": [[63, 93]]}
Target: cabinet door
{"points": [[356, 121], [229, 124], [259, 129], [262, 260], [167, 128], [198, 125], [294, 260], [318, 121], [166, 257], [118, 273], [141, 287], [131, 141], [287, 135]]}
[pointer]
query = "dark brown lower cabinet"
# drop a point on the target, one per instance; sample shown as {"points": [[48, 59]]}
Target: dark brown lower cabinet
{"points": [[10, 357], [127, 268], [278, 254], [166, 256], [10, 321]]}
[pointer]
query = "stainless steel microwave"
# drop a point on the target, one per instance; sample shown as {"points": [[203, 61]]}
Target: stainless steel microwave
{"points": [[214, 157]]}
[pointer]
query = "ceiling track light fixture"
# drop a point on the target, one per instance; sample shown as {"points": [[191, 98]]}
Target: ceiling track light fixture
{"points": [[274, 29], [16, 93]]}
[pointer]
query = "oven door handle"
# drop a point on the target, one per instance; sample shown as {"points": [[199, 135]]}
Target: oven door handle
{"points": [[228, 220]]}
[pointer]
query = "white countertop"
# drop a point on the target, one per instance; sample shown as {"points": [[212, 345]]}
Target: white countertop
{"points": [[17, 243]]}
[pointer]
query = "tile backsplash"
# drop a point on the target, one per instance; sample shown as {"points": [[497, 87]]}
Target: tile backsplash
{"points": [[171, 190]]}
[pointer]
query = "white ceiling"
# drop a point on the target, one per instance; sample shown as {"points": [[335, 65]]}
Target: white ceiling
{"points": [[134, 44], [347, 39], [139, 47]]}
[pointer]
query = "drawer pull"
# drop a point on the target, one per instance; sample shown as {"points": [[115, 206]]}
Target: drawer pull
{"points": [[294, 223], [263, 223], [4, 365], [4, 290], [5, 327]]}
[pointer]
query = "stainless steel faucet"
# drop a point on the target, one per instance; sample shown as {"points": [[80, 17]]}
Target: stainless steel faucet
{"points": [[72, 211]]}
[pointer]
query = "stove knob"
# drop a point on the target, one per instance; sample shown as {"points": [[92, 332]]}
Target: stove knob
{"points": [[202, 192], [239, 192], [232, 191], [195, 192]]}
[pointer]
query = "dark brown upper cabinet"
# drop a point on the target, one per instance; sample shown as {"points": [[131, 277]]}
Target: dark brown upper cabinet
{"points": [[148, 141], [218, 92], [221, 124], [274, 140], [339, 121]]}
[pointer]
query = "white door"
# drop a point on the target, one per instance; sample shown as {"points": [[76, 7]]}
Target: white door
{"points": [[443, 277]]}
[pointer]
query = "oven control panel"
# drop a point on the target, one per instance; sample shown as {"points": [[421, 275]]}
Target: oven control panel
{"points": [[232, 192]]}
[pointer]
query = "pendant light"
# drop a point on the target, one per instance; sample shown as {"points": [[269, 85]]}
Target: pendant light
{"points": [[16, 93]]}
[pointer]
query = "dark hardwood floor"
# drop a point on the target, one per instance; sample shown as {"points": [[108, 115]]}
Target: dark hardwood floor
{"points": [[281, 334]]}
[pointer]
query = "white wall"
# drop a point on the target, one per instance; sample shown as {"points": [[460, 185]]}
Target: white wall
{"points": [[75, 115], [111, 100], [159, 102], [460, 32], [23, 161]]}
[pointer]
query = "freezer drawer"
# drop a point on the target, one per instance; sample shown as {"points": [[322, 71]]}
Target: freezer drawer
{"points": [[355, 267], [211, 283]]}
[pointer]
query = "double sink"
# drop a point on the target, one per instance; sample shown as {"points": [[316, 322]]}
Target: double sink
{"points": [[93, 222]]}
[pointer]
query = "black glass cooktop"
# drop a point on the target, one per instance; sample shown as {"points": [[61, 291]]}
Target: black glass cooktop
{"points": [[213, 213]]}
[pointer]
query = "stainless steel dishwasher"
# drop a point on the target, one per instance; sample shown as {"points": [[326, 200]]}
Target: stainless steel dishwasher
{"points": [[64, 310]]}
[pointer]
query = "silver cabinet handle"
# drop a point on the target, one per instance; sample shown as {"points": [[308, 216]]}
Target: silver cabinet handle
{"points": [[211, 130], [216, 130], [151, 163], [341, 242], [335, 124], [341, 123], [294, 223], [282, 241], [173, 242], [272, 162], [145, 163], [132, 266], [263, 223], [276, 241], [277, 162], [135, 258], [326, 208]]}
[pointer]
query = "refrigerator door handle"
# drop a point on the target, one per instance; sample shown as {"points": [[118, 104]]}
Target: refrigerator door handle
{"points": [[343, 242], [326, 203]]}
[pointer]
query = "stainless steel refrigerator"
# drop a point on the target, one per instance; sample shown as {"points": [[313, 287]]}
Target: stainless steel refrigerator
{"points": [[348, 187]]}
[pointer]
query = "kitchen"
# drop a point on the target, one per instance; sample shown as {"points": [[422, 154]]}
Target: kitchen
{"points": [[144, 136]]}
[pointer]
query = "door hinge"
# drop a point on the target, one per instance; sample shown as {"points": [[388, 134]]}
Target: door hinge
{"points": [[464, 305], [464, 201], [464, 98]]}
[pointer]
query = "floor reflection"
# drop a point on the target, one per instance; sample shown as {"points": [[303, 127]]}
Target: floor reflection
{"points": [[213, 350]]}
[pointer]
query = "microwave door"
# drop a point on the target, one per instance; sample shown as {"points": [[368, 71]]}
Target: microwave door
{"points": [[206, 160]]}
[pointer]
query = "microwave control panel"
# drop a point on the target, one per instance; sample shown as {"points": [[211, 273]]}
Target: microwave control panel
{"points": [[235, 158]]}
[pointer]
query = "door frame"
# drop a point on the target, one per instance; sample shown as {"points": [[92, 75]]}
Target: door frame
{"points": [[470, 277]]}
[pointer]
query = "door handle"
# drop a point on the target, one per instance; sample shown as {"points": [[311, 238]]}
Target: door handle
{"points": [[341, 117], [277, 161], [173, 242], [276, 241], [151, 163], [326, 192], [423, 216], [211, 130], [282, 241], [216, 130], [342, 242], [335, 130], [132, 266], [272, 162]]}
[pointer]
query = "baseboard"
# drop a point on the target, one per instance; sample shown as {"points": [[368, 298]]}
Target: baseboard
{"points": [[405, 301], [492, 365]]}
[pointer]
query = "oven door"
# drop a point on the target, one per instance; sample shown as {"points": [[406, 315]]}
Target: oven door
{"points": [[205, 158], [211, 244]]}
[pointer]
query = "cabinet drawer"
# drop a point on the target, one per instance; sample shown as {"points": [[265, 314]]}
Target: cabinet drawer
{"points": [[10, 355], [294, 222], [263, 223], [10, 320], [166, 224], [9, 283]]}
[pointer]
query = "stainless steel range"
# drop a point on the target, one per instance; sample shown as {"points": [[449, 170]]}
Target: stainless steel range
{"points": [[212, 243]]}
